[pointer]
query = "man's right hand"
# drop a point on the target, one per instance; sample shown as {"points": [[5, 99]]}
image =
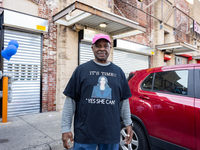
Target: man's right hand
{"points": [[65, 138]]}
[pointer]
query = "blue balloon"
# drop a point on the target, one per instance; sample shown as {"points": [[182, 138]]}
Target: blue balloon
{"points": [[5, 55], [14, 42], [9, 51]]}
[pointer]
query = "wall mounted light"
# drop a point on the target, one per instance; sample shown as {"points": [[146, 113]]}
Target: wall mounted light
{"points": [[195, 42], [74, 27], [161, 25], [103, 25], [174, 32]]}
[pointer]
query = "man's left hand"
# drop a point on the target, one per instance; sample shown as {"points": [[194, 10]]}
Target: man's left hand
{"points": [[129, 134]]}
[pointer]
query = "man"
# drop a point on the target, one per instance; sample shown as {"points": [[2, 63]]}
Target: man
{"points": [[97, 119]]}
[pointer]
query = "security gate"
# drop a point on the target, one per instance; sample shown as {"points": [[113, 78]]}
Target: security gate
{"points": [[85, 53], [25, 69], [130, 61]]}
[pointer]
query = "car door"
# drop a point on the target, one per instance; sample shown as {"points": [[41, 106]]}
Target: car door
{"points": [[171, 107], [197, 105]]}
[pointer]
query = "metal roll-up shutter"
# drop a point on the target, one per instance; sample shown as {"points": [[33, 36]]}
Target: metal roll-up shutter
{"points": [[130, 61], [25, 68], [85, 53]]}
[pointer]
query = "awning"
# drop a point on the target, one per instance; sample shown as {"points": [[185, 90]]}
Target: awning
{"points": [[89, 16], [178, 48]]}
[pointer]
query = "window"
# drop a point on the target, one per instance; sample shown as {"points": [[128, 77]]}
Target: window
{"points": [[147, 84], [172, 81], [24, 71]]}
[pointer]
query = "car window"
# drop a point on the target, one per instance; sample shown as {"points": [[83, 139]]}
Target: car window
{"points": [[172, 81], [147, 83]]}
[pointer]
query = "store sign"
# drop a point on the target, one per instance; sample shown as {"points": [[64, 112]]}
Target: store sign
{"points": [[196, 27], [180, 61], [133, 47], [89, 34]]}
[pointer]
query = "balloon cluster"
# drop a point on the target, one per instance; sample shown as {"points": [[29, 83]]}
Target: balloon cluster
{"points": [[10, 50]]}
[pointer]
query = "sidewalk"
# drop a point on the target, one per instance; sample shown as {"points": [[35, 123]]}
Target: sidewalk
{"points": [[32, 132]]}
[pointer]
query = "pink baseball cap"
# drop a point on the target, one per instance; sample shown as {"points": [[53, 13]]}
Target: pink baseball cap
{"points": [[100, 36]]}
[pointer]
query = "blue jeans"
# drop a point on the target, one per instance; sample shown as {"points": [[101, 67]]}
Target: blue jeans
{"points": [[80, 146]]}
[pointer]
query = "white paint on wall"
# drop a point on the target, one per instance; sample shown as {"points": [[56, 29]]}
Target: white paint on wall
{"points": [[24, 6]]}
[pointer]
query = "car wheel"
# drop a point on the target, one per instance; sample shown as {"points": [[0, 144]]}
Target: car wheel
{"points": [[139, 141]]}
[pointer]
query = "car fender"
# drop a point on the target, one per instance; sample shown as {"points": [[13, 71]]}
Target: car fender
{"points": [[135, 118]]}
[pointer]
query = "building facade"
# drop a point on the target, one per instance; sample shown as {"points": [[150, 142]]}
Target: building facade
{"points": [[144, 34], [168, 38]]}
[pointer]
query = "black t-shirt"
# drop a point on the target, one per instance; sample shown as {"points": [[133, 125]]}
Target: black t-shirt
{"points": [[97, 91]]}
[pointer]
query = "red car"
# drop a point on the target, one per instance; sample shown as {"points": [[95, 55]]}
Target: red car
{"points": [[165, 108]]}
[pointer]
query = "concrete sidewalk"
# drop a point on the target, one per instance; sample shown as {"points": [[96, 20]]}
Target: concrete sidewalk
{"points": [[32, 132]]}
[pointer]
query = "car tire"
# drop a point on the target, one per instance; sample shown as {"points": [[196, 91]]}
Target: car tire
{"points": [[139, 141]]}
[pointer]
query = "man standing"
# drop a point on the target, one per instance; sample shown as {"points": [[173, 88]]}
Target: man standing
{"points": [[97, 118]]}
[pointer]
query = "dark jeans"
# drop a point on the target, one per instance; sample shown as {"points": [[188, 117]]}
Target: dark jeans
{"points": [[80, 146]]}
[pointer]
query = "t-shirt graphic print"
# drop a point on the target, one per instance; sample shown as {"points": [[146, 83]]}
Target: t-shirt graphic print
{"points": [[102, 89]]}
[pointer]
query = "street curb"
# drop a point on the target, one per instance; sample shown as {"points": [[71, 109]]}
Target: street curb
{"points": [[55, 145]]}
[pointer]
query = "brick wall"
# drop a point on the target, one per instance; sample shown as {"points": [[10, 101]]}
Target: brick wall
{"points": [[128, 11], [136, 15], [181, 21], [47, 8]]}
